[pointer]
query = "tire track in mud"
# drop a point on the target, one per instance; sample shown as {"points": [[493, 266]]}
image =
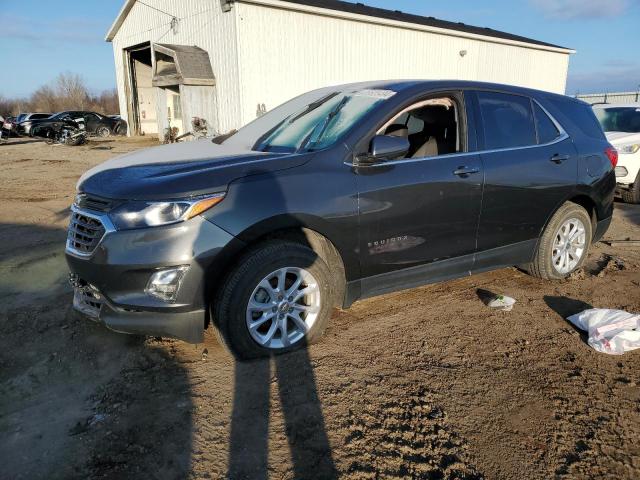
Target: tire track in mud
{"points": [[406, 437]]}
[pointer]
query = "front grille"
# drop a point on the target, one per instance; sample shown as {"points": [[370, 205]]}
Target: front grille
{"points": [[92, 202], [85, 233]]}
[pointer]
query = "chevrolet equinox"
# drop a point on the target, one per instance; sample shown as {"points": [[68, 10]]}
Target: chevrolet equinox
{"points": [[340, 194]]}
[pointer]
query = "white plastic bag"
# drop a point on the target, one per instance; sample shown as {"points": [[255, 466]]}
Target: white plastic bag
{"points": [[610, 331]]}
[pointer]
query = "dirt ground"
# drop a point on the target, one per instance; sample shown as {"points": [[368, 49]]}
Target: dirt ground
{"points": [[427, 383]]}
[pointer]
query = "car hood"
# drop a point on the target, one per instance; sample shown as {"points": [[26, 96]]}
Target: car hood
{"points": [[180, 170], [622, 138]]}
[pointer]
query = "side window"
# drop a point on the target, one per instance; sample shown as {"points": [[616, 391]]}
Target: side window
{"points": [[547, 131], [432, 127], [507, 119]]}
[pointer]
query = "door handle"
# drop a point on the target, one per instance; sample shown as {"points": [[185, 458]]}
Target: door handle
{"points": [[464, 171], [557, 158]]}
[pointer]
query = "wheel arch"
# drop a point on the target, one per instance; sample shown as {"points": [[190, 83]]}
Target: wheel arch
{"points": [[289, 228], [585, 201]]}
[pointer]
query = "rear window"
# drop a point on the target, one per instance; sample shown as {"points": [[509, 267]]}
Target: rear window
{"points": [[507, 119], [581, 115]]}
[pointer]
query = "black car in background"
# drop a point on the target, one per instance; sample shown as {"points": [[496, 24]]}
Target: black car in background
{"points": [[342, 193], [93, 123]]}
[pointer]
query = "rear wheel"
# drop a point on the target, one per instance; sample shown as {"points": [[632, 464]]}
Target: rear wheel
{"points": [[633, 194], [277, 299], [564, 244]]}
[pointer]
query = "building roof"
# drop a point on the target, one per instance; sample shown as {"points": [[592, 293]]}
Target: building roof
{"points": [[397, 15], [372, 12]]}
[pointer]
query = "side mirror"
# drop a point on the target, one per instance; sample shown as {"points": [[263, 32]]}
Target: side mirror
{"points": [[387, 147]]}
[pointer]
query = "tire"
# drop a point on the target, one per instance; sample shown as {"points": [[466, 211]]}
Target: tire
{"points": [[543, 265], [230, 309], [633, 194], [120, 128], [103, 132]]}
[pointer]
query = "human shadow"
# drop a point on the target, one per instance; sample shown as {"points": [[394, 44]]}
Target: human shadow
{"points": [[304, 425], [303, 419]]}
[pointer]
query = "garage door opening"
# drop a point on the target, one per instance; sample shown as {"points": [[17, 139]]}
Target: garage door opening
{"points": [[142, 99]]}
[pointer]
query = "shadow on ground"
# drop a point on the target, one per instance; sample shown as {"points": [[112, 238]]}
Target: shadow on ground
{"points": [[76, 400]]}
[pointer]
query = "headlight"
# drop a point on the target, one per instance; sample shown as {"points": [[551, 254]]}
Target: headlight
{"points": [[138, 214], [629, 149]]}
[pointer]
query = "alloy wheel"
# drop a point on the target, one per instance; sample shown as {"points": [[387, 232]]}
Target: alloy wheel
{"points": [[568, 245], [283, 307]]}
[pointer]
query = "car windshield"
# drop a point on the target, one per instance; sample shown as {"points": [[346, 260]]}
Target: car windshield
{"points": [[619, 119], [321, 123], [21, 117]]}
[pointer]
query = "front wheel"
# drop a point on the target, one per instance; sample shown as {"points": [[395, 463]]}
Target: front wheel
{"points": [[277, 299], [564, 244]]}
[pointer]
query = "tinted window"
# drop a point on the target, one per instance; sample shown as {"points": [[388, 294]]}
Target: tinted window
{"points": [[36, 116], [582, 117], [507, 119], [619, 119], [547, 131]]}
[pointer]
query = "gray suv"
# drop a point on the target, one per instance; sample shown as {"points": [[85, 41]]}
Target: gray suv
{"points": [[339, 194]]}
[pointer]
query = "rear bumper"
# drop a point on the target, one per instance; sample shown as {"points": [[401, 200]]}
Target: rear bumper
{"points": [[110, 283]]}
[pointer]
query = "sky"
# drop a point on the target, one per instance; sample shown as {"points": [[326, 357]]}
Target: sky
{"points": [[40, 39]]}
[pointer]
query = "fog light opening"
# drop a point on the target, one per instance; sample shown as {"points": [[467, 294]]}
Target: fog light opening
{"points": [[164, 284]]}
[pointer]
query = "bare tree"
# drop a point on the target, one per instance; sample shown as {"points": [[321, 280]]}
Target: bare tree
{"points": [[44, 99], [67, 92], [72, 91]]}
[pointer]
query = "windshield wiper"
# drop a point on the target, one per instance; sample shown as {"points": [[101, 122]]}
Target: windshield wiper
{"points": [[260, 143], [312, 106], [317, 133]]}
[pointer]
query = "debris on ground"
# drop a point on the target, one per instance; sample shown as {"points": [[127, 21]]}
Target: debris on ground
{"points": [[607, 263], [610, 331], [502, 302], [578, 274], [623, 243]]}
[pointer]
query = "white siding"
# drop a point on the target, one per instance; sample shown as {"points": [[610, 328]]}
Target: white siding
{"points": [[202, 23], [283, 53]]}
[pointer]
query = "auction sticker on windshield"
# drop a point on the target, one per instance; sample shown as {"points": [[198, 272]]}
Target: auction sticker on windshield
{"points": [[375, 93]]}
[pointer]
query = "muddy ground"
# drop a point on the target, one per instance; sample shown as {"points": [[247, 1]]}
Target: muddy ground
{"points": [[427, 383]]}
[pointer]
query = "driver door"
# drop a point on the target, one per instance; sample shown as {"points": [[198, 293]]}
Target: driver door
{"points": [[419, 216]]}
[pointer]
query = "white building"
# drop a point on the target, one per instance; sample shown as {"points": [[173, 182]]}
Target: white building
{"points": [[229, 60]]}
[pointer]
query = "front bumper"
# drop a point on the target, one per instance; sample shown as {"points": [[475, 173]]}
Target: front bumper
{"points": [[110, 282]]}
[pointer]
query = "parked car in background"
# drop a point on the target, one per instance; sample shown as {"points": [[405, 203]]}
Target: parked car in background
{"points": [[342, 193], [621, 124], [93, 123], [7, 126], [24, 121]]}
